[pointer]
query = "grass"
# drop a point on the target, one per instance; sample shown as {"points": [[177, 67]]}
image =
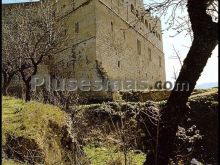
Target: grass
{"points": [[31, 121], [205, 92], [11, 162], [109, 156], [28, 119]]}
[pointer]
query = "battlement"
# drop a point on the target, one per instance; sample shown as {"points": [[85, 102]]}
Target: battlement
{"points": [[134, 12]]}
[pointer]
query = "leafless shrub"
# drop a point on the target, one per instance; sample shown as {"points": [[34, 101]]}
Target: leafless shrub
{"points": [[23, 150], [32, 35]]}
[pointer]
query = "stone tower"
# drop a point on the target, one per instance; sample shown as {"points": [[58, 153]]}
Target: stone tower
{"points": [[117, 39]]}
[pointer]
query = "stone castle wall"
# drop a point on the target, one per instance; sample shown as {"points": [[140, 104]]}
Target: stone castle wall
{"points": [[112, 35], [119, 32], [79, 56]]}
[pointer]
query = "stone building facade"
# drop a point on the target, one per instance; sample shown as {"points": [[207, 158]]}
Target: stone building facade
{"points": [[110, 40], [118, 37]]}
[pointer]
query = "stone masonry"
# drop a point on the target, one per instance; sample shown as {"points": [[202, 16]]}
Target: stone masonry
{"points": [[110, 40]]}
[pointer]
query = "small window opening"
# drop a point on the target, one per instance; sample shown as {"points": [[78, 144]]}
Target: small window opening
{"points": [[119, 64], [149, 54], [139, 47], [77, 27]]}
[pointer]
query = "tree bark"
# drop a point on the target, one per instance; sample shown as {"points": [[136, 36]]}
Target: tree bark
{"points": [[6, 82], [205, 40], [5, 89], [27, 81], [27, 91]]}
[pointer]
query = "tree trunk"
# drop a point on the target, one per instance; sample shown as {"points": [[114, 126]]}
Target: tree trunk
{"points": [[205, 40], [26, 77], [6, 82], [5, 89], [27, 91]]}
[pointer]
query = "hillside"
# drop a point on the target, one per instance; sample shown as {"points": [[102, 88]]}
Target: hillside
{"points": [[207, 85], [99, 134]]}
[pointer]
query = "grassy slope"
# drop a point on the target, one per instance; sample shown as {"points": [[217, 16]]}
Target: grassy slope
{"points": [[109, 156], [10, 162], [28, 119], [31, 121], [204, 93]]}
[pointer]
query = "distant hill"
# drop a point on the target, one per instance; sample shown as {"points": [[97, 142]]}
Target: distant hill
{"points": [[207, 85]]}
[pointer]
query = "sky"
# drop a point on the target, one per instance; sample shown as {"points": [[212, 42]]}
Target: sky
{"points": [[181, 44], [16, 1]]}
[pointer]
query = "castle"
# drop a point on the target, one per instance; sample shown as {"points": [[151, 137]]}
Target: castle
{"points": [[111, 40]]}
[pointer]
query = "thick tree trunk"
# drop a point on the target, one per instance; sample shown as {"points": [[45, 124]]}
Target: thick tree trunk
{"points": [[205, 40], [26, 77], [27, 91]]}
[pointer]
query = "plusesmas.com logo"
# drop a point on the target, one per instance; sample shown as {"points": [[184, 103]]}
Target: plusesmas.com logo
{"points": [[72, 84]]}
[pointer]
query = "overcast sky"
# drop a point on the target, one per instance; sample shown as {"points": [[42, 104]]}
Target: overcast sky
{"points": [[182, 44]]}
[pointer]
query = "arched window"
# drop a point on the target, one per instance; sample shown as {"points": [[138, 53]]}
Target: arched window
{"points": [[132, 8]]}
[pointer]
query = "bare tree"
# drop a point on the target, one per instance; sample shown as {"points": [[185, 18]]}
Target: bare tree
{"points": [[11, 62], [9, 70], [37, 37], [176, 56], [65, 97], [205, 38]]}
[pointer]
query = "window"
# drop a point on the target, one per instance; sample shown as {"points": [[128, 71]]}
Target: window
{"points": [[77, 27], [112, 27], [137, 13], [142, 19], [150, 26], [146, 23], [132, 8], [159, 36], [160, 62], [139, 47], [149, 54], [124, 35], [119, 64], [63, 6]]}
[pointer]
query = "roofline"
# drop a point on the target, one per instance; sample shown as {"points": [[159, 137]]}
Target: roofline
{"points": [[20, 3]]}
